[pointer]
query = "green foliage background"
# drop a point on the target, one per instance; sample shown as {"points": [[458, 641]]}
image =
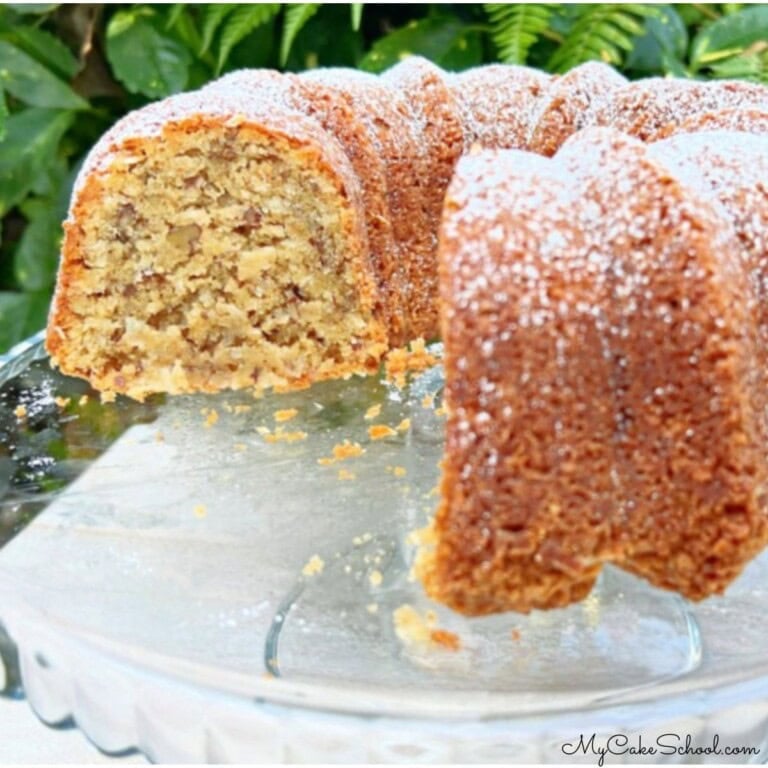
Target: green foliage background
{"points": [[67, 72]]}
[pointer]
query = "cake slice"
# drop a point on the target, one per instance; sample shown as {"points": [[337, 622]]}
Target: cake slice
{"points": [[216, 240]]}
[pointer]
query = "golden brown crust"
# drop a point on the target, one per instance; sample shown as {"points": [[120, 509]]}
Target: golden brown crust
{"points": [[436, 117], [569, 103], [589, 331]]}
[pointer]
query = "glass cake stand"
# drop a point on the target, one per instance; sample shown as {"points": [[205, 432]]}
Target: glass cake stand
{"points": [[191, 578]]}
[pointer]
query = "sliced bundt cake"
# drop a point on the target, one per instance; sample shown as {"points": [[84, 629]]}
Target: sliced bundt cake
{"points": [[216, 240]]}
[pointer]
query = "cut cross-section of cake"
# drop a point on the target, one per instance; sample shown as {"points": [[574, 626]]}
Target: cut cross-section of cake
{"points": [[215, 241]]}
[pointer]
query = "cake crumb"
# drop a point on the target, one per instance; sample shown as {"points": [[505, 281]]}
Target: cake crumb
{"points": [[20, 411], [200, 511], [280, 436], [448, 640], [108, 397], [515, 634], [238, 409], [314, 566], [347, 450], [240, 447], [342, 451], [83, 400], [159, 437], [404, 425], [440, 411], [373, 412], [428, 401], [62, 402], [372, 607], [398, 471], [375, 578], [380, 431], [285, 415], [413, 629], [211, 418], [401, 361], [345, 474]]}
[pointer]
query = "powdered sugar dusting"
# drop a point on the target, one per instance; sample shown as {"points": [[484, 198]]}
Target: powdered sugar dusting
{"points": [[589, 297], [650, 108], [740, 119], [496, 103], [569, 104]]}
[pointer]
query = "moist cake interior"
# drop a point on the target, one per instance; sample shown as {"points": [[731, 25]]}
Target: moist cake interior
{"points": [[220, 256]]}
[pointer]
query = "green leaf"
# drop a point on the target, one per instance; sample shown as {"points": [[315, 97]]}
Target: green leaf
{"points": [[296, 16], [213, 15], [31, 83], [3, 118], [517, 27], [33, 9], [21, 315], [37, 253], [729, 35], [749, 67], [445, 40], [29, 151], [185, 30], [603, 31], [47, 49], [244, 19], [257, 50], [662, 48], [143, 58], [356, 11], [176, 12]]}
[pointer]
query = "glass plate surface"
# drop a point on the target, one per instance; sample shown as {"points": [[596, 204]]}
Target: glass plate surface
{"points": [[193, 577]]}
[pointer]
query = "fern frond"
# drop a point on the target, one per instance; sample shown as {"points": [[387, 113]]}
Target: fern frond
{"points": [[213, 15], [243, 20], [356, 11], [516, 28], [604, 31], [173, 16], [296, 16]]}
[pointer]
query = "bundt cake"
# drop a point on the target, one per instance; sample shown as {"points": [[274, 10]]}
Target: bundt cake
{"points": [[602, 311], [605, 355]]}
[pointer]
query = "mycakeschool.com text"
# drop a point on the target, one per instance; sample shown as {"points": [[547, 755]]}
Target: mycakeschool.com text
{"points": [[603, 747]]}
